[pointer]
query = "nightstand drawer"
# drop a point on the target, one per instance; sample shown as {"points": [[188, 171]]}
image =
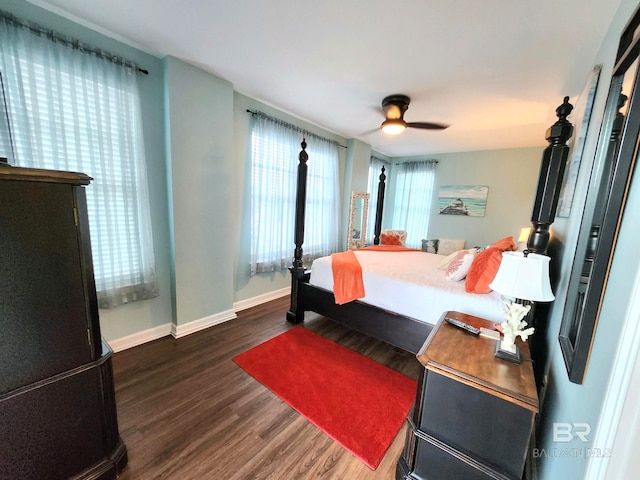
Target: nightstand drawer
{"points": [[435, 460], [483, 426]]}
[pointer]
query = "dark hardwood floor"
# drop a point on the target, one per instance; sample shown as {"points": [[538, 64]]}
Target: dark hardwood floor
{"points": [[186, 411]]}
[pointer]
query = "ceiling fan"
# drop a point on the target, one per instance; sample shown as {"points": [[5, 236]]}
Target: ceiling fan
{"points": [[394, 107]]}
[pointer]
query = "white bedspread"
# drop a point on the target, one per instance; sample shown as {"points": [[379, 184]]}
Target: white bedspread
{"points": [[410, 283]]}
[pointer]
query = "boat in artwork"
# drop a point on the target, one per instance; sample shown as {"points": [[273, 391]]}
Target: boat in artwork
{"points": [[456, 207]]}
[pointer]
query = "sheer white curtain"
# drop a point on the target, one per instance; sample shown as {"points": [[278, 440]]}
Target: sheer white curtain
{"points": [[78, 110], [375, 168], [274, 148], [412, 206], [6, 151]]}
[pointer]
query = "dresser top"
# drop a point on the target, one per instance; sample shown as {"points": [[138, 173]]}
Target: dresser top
{"points": [[470, 359], [9, 172]]}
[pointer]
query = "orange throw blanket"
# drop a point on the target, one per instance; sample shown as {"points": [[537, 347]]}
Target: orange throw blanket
{"points": [[347, 272], [347, 277]]}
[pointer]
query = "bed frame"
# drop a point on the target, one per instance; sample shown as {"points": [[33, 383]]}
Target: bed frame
{"points": [[404, 332]]}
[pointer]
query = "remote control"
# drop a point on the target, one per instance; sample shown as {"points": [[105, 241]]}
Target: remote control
{"points": [[464, 326]]}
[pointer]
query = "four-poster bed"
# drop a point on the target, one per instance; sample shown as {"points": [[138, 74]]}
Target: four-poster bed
{"points": [[401, 330]]}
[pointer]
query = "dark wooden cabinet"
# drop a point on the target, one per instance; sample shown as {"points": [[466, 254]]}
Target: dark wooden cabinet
{"points": [[473, 414], [57, 405]]}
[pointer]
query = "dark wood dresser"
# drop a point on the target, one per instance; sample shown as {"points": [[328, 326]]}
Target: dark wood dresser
{"points": [[57, 404], [473, 414]]}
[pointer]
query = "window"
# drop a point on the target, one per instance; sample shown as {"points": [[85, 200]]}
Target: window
{"points": [[412, 204], [6, 152], [74, 109], [274, 148]]}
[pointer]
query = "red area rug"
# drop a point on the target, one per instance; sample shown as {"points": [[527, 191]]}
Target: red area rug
{"points": [[358, 402]]}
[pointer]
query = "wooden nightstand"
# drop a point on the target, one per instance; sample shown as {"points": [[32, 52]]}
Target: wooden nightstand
{"points": [[473, 414]]}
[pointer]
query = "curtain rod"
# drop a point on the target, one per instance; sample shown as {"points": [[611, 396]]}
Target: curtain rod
{"points": [[293, 127], [418, 161], [72, 43], [381, 159]]}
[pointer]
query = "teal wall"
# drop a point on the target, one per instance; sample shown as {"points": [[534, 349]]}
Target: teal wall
{"points": [[356, 180], [510, 174], [202, 173], [565, 401]]}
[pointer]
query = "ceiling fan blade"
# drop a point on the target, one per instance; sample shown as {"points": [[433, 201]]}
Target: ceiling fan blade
{"points": [[428, 125], [369, 132]]}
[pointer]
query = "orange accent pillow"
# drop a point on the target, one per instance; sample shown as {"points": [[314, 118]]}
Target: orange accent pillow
{"points": [[483, 270], [387, 239], [486, 264], [505, 244]]}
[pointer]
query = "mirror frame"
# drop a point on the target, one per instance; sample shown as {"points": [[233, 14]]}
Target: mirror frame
{"points": [[353, 243], [604, 208]]}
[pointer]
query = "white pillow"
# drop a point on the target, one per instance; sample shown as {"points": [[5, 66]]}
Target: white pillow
{"points": [[445, 263], [460, 265], [447, 246]]}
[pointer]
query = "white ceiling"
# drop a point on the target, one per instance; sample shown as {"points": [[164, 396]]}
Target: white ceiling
{"points": [[495, 70]]}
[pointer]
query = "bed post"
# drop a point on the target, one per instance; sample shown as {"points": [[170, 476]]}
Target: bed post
{"points": [[554, 160], [296, 312], [379, 205]]}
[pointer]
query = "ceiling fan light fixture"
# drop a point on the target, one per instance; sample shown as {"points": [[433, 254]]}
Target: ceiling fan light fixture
{"points": [[393, 126]]}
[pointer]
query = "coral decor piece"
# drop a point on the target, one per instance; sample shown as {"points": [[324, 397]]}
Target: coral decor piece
{"points": [[514, 326]]}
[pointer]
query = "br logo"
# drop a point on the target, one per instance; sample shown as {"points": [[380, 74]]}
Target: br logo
{"points": [[564, 432]]}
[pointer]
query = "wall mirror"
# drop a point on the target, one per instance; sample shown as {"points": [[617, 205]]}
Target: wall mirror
{"points": [[357, 232], [604, 207]]}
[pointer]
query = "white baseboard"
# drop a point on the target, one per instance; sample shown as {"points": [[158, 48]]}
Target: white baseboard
{"points": [[172, 329], [139, 338], [260, 299], [178, 331], [195, 326]]}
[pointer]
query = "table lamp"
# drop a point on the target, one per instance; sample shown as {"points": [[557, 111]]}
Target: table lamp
{"points": [[521, 276]]}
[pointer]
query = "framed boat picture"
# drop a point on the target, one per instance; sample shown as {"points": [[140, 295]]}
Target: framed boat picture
{"points": [[463, 200]]}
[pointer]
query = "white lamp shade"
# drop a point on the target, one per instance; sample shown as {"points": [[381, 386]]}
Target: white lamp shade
{"points": [[524, 277]]}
